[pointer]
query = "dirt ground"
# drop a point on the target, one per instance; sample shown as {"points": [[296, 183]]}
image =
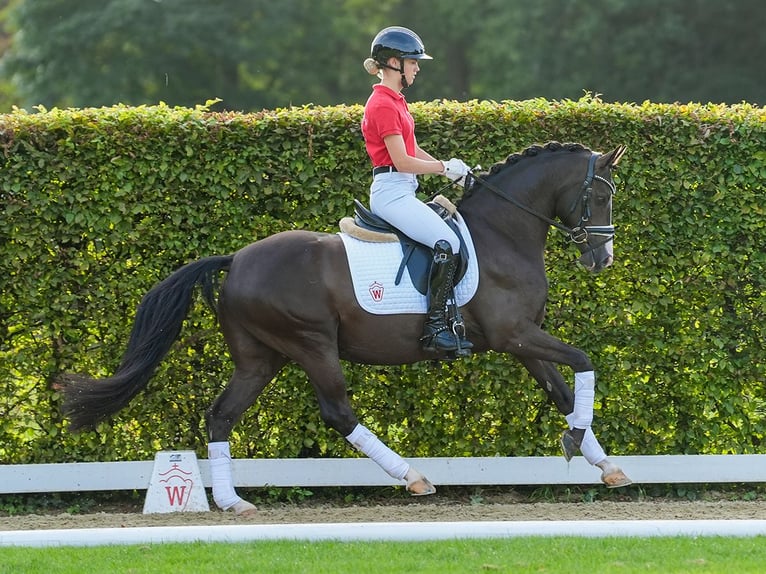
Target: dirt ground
{"points": [[502, 506]]}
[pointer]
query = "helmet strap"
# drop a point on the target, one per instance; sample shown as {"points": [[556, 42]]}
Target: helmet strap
{"points": [[400, 69], [405, 85]]}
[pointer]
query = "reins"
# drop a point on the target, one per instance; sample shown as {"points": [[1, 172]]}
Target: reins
{"points": [[497, 191], [580, 233]]}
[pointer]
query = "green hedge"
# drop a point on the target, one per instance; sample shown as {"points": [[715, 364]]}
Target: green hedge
{"points": [[99, 204]]}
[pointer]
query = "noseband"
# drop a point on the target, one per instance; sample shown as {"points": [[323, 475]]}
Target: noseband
{"points": [[582, 232]]}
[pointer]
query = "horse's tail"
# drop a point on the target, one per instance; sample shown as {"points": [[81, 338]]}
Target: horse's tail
{"points": [[157, 325]]}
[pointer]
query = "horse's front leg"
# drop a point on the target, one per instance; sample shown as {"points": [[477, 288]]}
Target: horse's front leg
{"points": [[531, 345], [581, 417], [552, 382]]}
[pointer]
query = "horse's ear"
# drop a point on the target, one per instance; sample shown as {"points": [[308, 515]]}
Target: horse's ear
{"points": [[613, 158]]}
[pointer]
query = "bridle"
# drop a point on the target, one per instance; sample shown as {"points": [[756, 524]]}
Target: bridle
{"points": [[582, 232]]}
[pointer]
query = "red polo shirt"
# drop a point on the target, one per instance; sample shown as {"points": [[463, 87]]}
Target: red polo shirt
{"points": [[386, 113]]}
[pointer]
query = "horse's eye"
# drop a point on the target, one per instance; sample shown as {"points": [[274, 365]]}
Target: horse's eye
{"points": [[602, 198]]}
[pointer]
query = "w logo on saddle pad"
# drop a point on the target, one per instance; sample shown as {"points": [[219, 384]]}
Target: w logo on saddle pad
{"points": [[381, 284]]}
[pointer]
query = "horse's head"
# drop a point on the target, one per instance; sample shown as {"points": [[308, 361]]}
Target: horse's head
{"points": [[587, 211], [575, 187]]}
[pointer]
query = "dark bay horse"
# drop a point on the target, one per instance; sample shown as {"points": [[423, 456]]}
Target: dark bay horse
{"points": [[289, 297]]}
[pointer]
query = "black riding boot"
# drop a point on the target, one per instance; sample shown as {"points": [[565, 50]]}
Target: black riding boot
{"points": [[437, 333]]}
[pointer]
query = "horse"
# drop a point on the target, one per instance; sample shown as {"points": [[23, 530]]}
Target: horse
{"points": [[271, 313]]}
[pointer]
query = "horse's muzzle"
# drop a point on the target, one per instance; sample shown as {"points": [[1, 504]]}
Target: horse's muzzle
{"points": [[597, 258]]}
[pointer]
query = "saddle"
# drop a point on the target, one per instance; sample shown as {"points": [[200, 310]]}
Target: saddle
{"points": [[416, 257]]}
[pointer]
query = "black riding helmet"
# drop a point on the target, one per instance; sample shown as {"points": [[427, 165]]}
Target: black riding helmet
{"points": [[400, 43]]}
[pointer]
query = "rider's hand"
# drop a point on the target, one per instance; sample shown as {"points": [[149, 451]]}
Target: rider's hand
{"points": [[456, 170]]}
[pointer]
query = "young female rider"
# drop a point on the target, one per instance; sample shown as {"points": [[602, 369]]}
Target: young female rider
{"points": [[389, 135]]}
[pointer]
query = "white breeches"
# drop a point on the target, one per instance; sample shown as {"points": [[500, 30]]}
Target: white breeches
{"points": [[392, 197]]}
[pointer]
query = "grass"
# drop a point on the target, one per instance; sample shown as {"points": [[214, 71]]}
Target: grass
{"points": [[568, 555]]}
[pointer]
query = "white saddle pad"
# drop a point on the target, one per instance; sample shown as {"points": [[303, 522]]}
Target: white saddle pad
{"points": [[373, 272]]}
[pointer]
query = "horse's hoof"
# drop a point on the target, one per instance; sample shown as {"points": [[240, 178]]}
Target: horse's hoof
{"points": [[569, 445], [421, 487], [615, 479], [417, 484], [243, 508]]}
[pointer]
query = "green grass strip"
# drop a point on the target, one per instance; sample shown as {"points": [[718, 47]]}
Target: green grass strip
{"points": [[569, 555]]}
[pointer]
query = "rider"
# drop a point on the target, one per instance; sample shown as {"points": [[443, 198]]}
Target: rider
{"points": [[389, 135]]}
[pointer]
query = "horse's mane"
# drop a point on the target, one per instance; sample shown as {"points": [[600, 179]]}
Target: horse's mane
{"points": [[532, 151]]}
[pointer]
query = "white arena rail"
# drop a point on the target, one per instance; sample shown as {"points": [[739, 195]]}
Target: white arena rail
{"points": [[495, 471]]}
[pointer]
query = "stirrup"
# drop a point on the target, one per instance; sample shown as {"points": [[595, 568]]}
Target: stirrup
{"points": [[464, 346], [452, 344], [430, 340]]}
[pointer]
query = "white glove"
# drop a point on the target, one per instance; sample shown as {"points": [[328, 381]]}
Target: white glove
{"points": [[456, 169]]}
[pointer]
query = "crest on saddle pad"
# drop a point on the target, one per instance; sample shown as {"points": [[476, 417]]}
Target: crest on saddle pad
{"points": [[390, 271]]}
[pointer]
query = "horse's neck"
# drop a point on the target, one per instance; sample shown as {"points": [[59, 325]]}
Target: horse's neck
{"points": [[499, 222]]}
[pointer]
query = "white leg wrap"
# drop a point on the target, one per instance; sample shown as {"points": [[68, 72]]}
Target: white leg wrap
{"points": [[219, 457], [584, 394], [366, 442], [590, 447]]}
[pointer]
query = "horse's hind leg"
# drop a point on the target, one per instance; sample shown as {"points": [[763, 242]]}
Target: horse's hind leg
{"points": [[329, 384], [255, 365], [552, 382]]}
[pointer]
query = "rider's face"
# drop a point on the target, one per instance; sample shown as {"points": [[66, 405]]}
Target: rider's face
{"points": [[411, 69]]}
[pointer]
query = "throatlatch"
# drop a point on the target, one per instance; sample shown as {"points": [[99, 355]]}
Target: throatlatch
{"points": [[444, 329]]}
